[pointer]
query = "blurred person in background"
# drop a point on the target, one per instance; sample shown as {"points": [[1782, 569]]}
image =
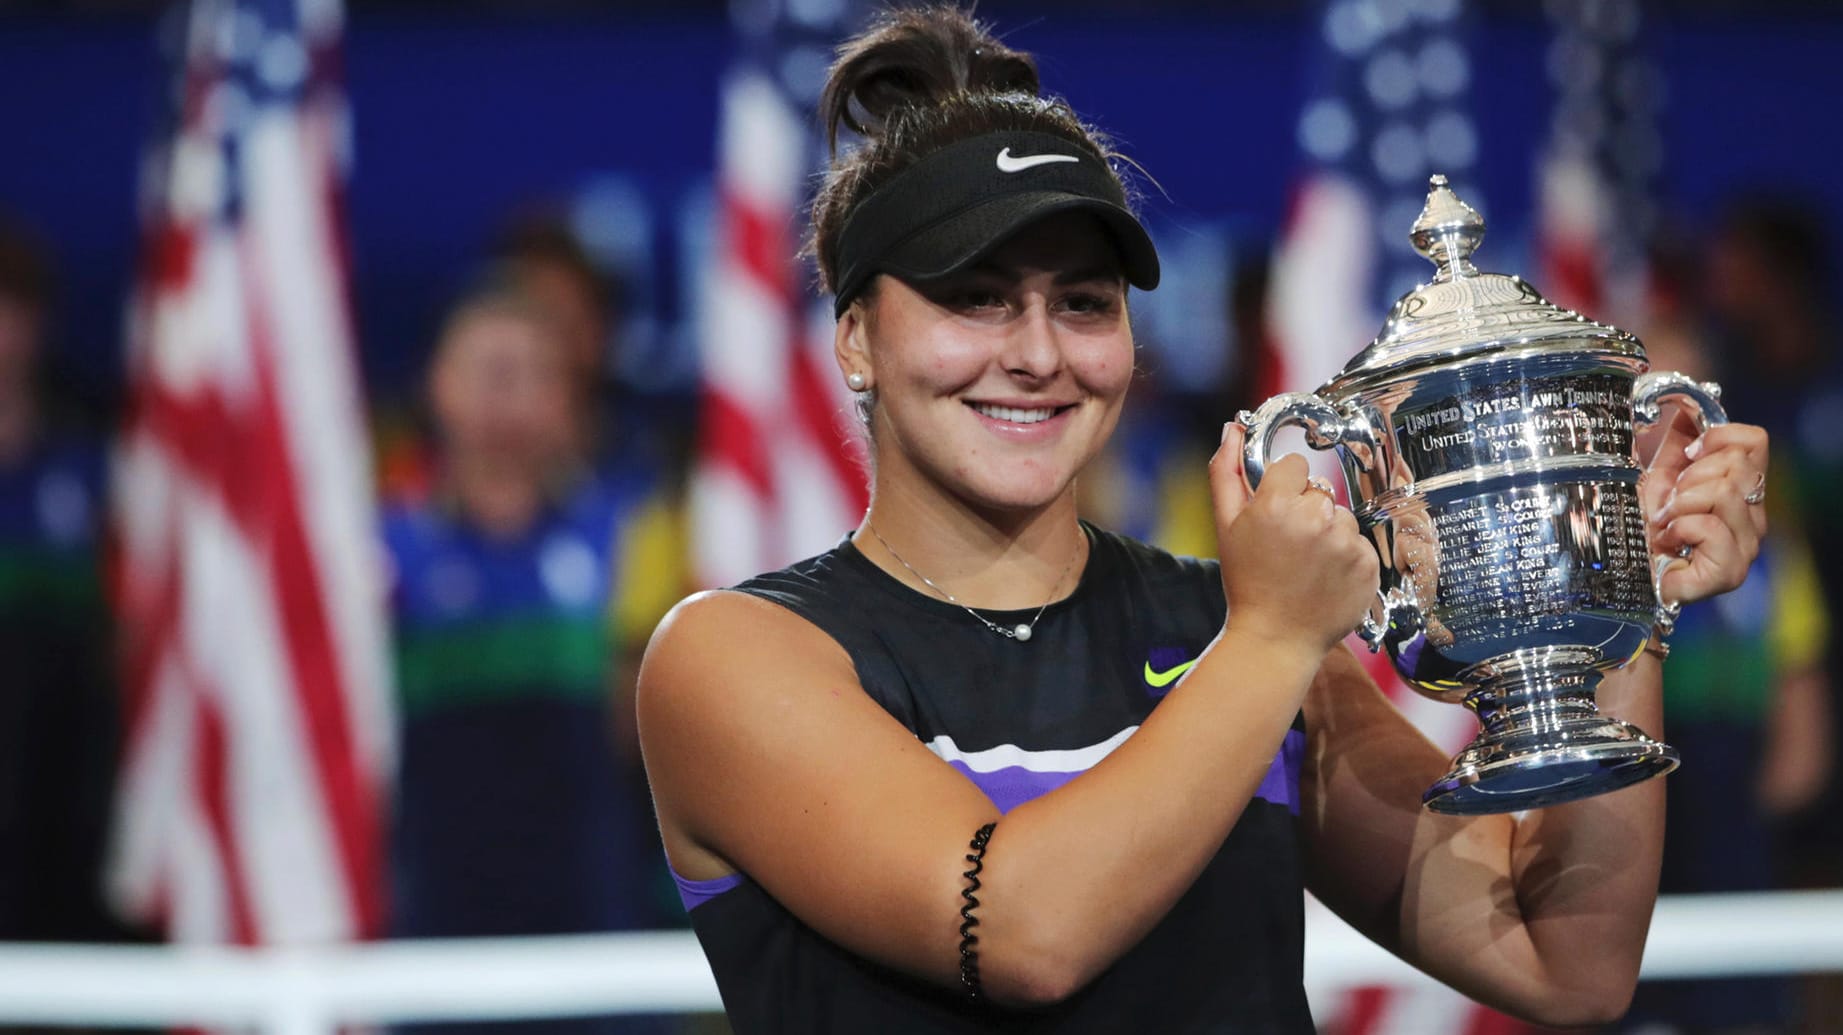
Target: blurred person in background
{"points": [[57, 701], [1779, 357], [1780, 361], [542, 257], [639, 457], [517, 811]]}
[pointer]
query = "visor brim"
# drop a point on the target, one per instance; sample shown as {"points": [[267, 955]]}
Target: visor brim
{"points": [[961, 240]]}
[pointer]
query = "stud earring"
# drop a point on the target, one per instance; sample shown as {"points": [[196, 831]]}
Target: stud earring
{"points": [[856, 381]]}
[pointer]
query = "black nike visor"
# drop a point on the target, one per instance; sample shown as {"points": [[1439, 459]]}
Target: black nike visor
{"points": [[951, 209]]}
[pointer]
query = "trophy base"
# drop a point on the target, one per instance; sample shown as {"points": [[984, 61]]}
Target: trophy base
{"points": [[1540, 749]]}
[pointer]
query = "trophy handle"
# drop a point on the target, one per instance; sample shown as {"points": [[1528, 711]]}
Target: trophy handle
{"points": [[1326, 427], [1705, 399]]}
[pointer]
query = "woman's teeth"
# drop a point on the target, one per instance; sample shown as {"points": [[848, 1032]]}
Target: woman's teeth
{"points": [[1015, 415]]}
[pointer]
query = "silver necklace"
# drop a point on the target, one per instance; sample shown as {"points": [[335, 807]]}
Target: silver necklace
{"points": [[1019, 632]]}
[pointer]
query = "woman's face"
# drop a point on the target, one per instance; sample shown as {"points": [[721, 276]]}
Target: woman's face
{"points": [[1000, 383], [501, 389]]}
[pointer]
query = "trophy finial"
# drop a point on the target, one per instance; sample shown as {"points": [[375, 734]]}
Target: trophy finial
{"points": [[1447, 232]]}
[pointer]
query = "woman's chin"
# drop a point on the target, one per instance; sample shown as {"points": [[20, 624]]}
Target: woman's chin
{"points": [[1016, 497]]}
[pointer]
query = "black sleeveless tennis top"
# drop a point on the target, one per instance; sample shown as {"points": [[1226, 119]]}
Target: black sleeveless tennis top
{"points": [[1020, 719]]}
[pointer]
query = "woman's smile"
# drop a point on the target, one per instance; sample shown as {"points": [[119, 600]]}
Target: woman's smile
{"points": [[1022, 421]]}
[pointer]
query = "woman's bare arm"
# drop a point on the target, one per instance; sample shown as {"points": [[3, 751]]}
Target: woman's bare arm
{"points": [[767, 757], [1543, 918]]}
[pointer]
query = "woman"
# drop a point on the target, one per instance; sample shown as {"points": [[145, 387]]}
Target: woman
{"points": [[945, 777]]}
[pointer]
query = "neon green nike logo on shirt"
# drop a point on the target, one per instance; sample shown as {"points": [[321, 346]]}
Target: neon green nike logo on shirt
{"points": [[1160, 680]]}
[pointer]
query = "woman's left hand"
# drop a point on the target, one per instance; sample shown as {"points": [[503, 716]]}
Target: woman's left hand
{"points": [[1696, 492]]}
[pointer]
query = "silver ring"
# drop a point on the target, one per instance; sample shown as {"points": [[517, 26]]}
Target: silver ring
{"points": [[1758, 495], [1321, 485]]}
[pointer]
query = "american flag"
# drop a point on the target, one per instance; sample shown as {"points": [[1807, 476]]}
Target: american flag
{"points": [[1597, 177], [247, 580], [779, 473], [1388, 109]]}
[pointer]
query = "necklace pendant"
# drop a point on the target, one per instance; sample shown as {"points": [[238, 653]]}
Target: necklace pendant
{"points": [[1021, 633]]}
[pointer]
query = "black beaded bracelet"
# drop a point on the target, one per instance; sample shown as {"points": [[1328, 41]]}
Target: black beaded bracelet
{"points": [[969, 956]]}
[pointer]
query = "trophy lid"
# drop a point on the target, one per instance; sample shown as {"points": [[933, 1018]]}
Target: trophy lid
{"points": [[1463, 313]]}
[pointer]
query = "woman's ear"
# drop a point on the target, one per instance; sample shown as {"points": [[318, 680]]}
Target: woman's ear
{"points": [[851, 347]]}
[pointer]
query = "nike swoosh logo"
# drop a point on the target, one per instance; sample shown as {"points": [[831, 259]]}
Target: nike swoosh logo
{"points": [[1160, 680], [1006, 163]]}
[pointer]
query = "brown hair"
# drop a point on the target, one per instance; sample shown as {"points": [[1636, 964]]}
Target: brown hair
{"points": [[915, 81], [547, 239]]}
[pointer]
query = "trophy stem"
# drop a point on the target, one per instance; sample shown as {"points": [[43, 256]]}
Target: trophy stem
{"points": [[1543, 741]]}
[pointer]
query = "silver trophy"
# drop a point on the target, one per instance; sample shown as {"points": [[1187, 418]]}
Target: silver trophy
{"points": [[1487, 439]]}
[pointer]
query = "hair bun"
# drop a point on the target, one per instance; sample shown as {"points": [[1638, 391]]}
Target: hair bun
{"points": [[915, 57]]}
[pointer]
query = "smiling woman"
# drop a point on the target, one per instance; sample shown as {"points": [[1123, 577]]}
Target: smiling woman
{"points": [[1020, 362], [986, 767]]}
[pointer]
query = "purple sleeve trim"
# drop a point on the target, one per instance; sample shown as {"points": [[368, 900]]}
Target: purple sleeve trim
{"points": [[695, 893], [1281, 784]]}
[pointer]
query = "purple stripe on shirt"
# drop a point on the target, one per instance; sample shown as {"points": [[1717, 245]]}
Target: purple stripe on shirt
{"points": [[1014, 785], [1281, 784], [695, 893]]}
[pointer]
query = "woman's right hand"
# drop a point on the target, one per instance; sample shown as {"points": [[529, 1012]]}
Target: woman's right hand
{"points": [[1294, 564]]}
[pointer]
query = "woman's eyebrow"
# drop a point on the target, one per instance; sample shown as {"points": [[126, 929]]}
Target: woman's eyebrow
{"points": [[1080, 275], [1083, 275], [987, 269]]}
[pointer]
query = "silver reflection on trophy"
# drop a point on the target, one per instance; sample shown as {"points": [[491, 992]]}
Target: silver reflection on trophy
{"points": [[1487, 439]]}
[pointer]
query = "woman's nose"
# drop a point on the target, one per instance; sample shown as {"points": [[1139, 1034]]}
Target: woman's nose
{"points": [[1033, 349]]}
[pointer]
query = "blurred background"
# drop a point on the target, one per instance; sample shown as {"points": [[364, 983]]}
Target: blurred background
{"points": [[372, 380]]}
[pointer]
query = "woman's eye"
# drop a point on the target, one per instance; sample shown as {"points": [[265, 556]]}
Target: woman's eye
{"points": [[974, 300], [1088, 303]]}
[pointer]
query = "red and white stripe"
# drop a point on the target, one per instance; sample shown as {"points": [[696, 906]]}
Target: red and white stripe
{"points": [[1570, 219], [779, 474], [247, 581], [1318, 311], [1575, 220], [1596, 173]]}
